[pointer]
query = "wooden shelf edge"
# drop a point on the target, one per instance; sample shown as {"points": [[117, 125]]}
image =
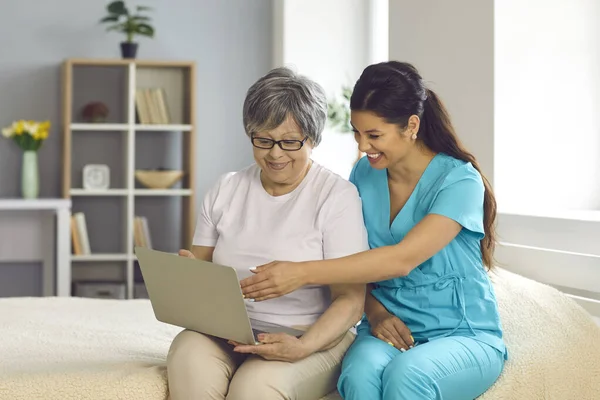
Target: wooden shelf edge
{"points": [[118, 62], [99, 257], [107, 192]]}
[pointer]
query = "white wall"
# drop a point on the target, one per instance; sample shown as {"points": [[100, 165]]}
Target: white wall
{"points": [[547, 104], [328, 41], [451, 43]]}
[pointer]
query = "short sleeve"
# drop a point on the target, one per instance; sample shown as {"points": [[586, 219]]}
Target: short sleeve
{"points": [[206, 231], [344, 230], [460, 198], [357, 171]]}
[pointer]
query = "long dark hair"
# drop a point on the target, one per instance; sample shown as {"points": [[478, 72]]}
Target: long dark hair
{"points": [[394, 91]]}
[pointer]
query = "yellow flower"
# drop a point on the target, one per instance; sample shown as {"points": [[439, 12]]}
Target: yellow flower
{"points": [[40, 135], [37, 130], [18, 127]]}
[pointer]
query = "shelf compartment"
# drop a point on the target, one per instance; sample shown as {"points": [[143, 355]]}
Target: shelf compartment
{"points": [[96, 147], [164, 223], [105, 220], [156, 150], [174, 82], [100, 83]]}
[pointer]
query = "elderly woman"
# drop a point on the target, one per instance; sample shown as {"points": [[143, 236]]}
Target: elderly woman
{"points": [[284, 206]]}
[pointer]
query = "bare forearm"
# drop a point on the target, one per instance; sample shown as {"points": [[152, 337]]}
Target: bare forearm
{"points": [[368, 266], [203, 252], [373, 307], [345, 311]]}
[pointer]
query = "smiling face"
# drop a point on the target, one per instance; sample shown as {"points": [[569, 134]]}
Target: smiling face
{"points": [[282, 170], [385, 144]]}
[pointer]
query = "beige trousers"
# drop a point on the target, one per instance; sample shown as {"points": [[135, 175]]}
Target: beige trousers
{"points": [[201, 367]]}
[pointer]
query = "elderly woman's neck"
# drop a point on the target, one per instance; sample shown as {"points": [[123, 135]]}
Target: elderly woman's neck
{"points": [[282, 188]]}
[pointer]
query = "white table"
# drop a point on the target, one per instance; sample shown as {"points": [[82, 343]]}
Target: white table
{"points": [[39, 230]]}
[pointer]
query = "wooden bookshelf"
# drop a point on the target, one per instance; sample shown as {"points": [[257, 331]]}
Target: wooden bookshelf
{"points": [[125, 144]]}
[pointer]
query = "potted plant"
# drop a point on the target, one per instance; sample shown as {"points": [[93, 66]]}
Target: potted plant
{"points": [[338, 114], [29, 136], [338, 111], [122, 20]]}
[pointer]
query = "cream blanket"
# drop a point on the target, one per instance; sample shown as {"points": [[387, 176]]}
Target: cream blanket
{"points": [[78, 349], [73, 348]]}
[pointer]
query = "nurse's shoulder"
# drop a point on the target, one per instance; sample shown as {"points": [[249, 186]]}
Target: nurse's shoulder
{"points": [[361, 172], [453, 171]]}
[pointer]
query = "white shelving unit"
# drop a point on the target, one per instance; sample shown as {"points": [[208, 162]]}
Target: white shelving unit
{"points": [[91, 80]]}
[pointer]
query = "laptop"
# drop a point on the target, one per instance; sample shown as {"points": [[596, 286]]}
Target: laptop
{"points": [[200, 296]]}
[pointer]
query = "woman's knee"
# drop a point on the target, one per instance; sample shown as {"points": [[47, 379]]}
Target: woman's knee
{"points": [[195, 367], [250, 382], [185, 345], [364, 363], [404, 378]]}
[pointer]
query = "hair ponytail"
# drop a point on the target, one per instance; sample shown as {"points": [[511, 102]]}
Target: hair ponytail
{"points": [[438, 134]]}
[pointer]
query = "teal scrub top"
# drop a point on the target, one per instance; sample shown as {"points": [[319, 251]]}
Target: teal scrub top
{"points": [[451, 293]]}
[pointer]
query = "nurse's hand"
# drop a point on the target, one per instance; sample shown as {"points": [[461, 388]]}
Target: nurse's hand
{"points": [[273, 280], [392, 330]]}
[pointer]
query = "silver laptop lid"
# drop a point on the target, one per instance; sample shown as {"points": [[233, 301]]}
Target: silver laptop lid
{"points": [[195, 294]]}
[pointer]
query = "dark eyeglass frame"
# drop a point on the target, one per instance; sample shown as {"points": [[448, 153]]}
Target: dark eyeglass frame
{"points": [[278, 143]]}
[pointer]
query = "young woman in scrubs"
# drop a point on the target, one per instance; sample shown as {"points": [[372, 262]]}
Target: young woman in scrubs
{"points": [[431, 328]]}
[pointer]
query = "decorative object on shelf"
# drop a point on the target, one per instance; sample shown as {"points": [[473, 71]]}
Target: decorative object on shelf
{"points": [[94, 112], [128, 23], [338, 111], [29, 136], [96, 177], [158, 178]]}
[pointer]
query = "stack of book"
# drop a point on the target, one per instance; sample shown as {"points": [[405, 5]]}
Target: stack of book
{"points": [[79, 234], [141, 233], [151, 106]]}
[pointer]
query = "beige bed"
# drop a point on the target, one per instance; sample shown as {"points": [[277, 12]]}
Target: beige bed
{"points": [[73, 348]]}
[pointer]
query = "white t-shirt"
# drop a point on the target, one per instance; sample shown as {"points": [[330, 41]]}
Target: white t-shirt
{"points": [[320, 219]]}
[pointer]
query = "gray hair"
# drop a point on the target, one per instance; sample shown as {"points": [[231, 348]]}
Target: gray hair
{"points": [[280, 93]]}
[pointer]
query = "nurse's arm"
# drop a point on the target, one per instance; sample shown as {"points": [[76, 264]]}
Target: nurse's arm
{"points": [[423, 241]]}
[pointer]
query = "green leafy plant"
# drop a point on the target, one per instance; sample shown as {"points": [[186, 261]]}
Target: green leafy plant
{"points": [[338, 111], [122, 20]]}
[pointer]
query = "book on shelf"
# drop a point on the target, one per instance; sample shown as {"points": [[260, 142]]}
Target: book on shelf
{"points": [[141, 232], [151, 106], [79, 234]]}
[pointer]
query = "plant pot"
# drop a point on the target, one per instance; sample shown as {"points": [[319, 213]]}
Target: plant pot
{"points": [[30, 175], [128, 49]]}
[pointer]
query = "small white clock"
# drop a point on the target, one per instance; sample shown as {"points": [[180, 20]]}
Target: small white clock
{"points": [[96, 176]]}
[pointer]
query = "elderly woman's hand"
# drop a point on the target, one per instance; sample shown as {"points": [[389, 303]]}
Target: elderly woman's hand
{"points": [[276, 347], [273, 280], [186, 253]]}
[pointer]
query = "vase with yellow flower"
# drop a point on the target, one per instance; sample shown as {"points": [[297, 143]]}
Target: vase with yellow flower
{"points": [[29, 136]]}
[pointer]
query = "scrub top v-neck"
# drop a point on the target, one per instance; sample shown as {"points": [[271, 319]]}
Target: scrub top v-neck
{"points": [[397, 226], [450, 293]]}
